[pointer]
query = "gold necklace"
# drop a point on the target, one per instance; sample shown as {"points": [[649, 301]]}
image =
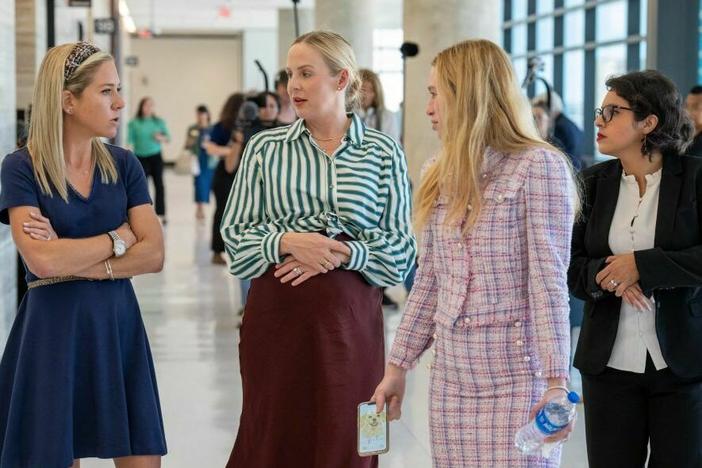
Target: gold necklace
{"points": [[327, 139]]}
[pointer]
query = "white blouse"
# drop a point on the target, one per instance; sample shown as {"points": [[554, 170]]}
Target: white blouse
{"points": [[633, 228]]}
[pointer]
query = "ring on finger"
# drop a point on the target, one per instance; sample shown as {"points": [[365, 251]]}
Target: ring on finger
{"points": [[298, 271]]}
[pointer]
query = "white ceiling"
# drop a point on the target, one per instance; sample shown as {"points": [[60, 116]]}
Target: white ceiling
{"points": [[173, 16], [179, 16]]}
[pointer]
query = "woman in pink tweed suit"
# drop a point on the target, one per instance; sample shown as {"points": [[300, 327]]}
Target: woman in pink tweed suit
{"points": [[496, 209]]}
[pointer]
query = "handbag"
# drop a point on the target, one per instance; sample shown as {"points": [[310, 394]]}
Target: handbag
{"points": [[183, 164]]}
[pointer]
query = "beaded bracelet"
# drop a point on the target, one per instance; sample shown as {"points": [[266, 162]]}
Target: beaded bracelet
{"points": [[558, 387]]}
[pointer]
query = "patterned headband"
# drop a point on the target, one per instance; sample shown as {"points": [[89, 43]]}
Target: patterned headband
{"points": [[78, 55]]}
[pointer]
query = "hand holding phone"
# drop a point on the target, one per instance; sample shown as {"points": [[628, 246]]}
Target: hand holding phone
{"points": [[373, 430]]}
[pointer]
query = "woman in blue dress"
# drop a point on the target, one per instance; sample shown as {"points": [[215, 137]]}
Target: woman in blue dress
{"points": [[77, 378], [196, 136]]}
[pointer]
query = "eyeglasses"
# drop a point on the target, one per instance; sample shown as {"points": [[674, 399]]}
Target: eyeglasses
{"points": [[609, 111]]}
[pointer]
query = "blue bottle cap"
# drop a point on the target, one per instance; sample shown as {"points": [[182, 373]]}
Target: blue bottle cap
{"points": [[573, 397]]}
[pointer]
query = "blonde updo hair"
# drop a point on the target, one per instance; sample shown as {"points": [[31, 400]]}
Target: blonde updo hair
{"points": [[338, 55], [45, 140]]}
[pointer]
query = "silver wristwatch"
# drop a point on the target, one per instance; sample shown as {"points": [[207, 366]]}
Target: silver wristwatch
{"points": [[118, 245]]}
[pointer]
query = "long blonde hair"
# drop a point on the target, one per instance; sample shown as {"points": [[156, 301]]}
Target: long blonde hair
{"points": [[372, 77], [338, 55], [481, 105], [45, 141]]}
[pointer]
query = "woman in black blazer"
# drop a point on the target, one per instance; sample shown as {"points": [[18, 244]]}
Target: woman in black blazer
{"points": [[637, 262]]}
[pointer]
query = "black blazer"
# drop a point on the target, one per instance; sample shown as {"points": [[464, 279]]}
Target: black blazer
{"points": [[672, 269]]}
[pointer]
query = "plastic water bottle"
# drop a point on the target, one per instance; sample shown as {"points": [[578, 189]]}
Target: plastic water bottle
{"points": [[550, 419]]}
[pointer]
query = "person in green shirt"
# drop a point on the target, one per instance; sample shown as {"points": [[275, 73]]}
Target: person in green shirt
{"points": [[146, 134]]}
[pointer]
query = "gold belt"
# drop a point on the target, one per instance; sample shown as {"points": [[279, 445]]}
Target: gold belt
{"points": [[55, 280]]}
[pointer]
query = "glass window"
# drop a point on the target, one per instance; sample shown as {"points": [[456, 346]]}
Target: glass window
{"points": [[610, 61], [546, 73], [544, 34], [569, 3], [387, 63], [611, 19], [642, 55], [574, 28], [574, 86], [543, 6], [519, 39], [520, 68], [519, 9], [643, 18]]}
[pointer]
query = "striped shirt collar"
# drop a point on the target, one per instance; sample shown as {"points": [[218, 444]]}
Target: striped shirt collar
{"points": [[355, 133]]}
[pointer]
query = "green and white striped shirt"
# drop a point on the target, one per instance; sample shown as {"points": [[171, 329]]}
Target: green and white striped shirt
{"points": [[287, 184]]}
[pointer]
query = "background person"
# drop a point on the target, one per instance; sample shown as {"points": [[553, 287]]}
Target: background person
{"points": [[146, 133]]}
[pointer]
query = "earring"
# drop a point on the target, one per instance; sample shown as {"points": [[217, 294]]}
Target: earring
{"points": [[645, 150]]}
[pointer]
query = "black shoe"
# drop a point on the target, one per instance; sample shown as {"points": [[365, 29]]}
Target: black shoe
{"points": [[389, 303]]}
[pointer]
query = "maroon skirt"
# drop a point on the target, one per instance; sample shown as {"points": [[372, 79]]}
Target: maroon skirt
{"points": [[309, 355]]}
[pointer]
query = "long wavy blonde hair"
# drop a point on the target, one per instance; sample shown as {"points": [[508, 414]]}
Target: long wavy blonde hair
{"points": [[481, 106], [45, 141]]}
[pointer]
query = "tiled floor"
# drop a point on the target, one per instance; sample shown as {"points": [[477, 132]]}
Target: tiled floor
{"points": [[189, 310]]}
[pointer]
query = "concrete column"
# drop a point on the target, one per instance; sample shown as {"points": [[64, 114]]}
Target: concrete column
{"points": [[286, 29], [673, 40], [30, 46], [8, 270], [435, 25], [353, 19]]}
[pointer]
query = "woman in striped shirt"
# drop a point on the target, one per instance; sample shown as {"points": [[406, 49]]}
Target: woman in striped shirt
{"points": [[319, 218]]}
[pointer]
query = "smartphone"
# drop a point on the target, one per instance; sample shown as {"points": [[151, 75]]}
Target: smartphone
{"points": [[373, 430]]}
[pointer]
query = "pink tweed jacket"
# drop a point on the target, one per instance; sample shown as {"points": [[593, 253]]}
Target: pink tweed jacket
{"points": [[509, 271]]}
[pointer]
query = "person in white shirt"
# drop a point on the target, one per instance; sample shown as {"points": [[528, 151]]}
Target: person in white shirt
{"points": [[637, 262]]}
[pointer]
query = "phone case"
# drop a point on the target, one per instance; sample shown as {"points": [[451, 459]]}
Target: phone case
{"points": [[370, 430]]}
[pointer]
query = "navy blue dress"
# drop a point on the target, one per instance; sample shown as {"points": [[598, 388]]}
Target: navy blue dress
{"points": [[76, 377]]}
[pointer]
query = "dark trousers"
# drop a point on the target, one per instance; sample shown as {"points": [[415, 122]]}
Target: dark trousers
{"points": [[153, 167], [221, 186], [624, 411]]}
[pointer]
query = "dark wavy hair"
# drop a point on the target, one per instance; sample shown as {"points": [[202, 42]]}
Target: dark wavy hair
{"points": [[650, 92], [261, 98], [230, 111]]}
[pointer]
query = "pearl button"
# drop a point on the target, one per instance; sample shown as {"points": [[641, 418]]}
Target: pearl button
{"points": [[517, 324], [538, 373], [434, 336], [484, 176], [500, 199], [466, 320], [519, 342], [527, 358], [433, 351]]}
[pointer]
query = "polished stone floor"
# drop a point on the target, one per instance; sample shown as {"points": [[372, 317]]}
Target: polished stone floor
{"points": [[190, 315]]}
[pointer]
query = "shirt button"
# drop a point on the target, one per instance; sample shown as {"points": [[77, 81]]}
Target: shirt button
{"points": [[434, 336], [500, 198], [466, 320], [433, 351], [527, 358], [470, 207], [484, 175], [539, 373], [517, 324], [519, 342]]}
